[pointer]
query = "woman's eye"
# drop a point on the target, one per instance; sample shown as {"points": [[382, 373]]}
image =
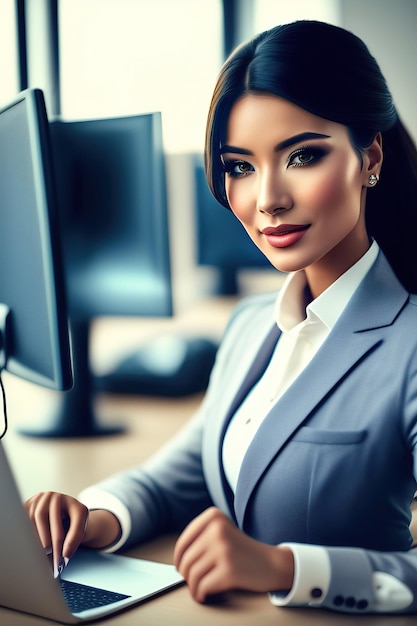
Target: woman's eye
{"points": [[237, 169], [306, 156]]}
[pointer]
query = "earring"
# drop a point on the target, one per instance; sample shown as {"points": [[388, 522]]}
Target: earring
{"points": [[373, 179]]}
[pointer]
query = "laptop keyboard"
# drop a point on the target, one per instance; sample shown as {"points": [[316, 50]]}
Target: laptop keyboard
{"points": [[82, 597]]}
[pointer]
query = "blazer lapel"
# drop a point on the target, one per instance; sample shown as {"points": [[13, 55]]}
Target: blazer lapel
{"points": [[215, 429], [258, 367], [374, 306]]}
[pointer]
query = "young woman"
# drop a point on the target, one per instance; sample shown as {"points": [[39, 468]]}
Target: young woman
{"points": [[297, 474]]}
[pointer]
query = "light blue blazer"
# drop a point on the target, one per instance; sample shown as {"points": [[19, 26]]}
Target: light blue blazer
{"points": [[335, 461]]}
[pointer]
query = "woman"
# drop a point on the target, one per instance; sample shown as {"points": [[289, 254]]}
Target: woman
{"points": [[296, 476]]}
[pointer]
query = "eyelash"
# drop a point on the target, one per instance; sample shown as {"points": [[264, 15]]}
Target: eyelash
{"points": [[229, 166], [315, 151]]}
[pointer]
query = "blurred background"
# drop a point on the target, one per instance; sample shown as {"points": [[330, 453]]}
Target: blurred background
{"points": [[101, 59], [124, 57]]}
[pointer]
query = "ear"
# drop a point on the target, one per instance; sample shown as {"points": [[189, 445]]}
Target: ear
{"points": [[372, 161]]}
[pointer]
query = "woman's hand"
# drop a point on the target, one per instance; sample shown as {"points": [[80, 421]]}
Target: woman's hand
{"points": [[63, 523], [214, 556]]}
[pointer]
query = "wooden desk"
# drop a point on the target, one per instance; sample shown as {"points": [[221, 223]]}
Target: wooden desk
{"points": [[176, 608]]}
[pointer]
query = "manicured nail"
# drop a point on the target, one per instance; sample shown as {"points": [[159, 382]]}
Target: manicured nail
{"points": [[58, 570]]}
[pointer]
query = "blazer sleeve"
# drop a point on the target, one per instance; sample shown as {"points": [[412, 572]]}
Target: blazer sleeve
{"points": [[161, 495]]}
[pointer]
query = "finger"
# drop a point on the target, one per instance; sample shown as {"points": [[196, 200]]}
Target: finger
{"points": [[208, 575], [191, 555], [68, 521], [58, 523], [78, 520], [199, 571], [209, 583], [191, 533], [183, 544], [38, 510]]}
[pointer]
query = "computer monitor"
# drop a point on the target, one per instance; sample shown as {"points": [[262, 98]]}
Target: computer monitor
{"points": [[34, 322], [111, 188], [222, 242]]}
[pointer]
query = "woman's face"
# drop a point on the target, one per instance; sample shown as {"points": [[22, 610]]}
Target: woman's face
{"points": [[297, 186]]}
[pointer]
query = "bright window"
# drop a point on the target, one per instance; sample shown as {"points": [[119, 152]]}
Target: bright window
{"points": [[123, 57], [8, 51], [269, 14]]}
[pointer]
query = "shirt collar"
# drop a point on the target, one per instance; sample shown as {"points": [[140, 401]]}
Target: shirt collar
{"points": [[291, 310]]}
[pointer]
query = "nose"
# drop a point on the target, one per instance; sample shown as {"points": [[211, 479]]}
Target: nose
{"points": [[273, 197]]}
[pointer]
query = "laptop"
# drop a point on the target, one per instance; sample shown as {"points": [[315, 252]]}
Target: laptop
{"points": [[92, 586]]}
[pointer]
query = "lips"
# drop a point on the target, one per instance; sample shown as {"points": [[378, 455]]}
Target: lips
{"points": [[285, 235], [284, 229]]}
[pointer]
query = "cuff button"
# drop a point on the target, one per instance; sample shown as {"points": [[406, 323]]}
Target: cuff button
{"points": [[362, 604]]}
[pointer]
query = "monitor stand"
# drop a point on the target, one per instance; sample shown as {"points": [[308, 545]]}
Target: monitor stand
{"points": [[74, 414]]}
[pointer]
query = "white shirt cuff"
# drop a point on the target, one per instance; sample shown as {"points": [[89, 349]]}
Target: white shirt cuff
{"points": [[311, 577], [95, 498]]}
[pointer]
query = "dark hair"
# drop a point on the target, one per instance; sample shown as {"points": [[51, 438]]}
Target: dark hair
{"points": [[329, 72]]}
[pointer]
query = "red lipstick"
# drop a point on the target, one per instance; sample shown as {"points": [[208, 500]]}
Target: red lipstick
{"points": [[285, 235]]}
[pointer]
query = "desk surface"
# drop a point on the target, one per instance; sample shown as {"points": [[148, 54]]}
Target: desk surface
{"points": [[69, 465], [176, 608]]}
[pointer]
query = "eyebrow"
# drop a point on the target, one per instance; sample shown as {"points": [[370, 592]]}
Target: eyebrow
{"points": [[280, 146]]}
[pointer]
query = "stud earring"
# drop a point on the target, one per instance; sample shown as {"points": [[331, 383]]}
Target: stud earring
{"points": [[373, 179]]}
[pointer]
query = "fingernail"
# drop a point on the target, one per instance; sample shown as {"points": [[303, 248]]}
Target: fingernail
{"points": [[48, 554], [62, 564]]}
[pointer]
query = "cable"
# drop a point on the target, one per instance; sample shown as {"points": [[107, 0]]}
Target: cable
{"points": [[3, 393]]}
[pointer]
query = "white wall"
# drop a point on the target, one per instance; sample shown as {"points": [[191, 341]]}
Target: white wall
{"points": [[388, 27]]}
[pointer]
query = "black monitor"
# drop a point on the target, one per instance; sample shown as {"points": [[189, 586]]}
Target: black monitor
{"points": [[222, 242], [34, 322], [111, 188]]}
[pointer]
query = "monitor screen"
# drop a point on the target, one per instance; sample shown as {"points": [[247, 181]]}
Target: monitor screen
{"points": [[36, 344], [112, 200]]}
